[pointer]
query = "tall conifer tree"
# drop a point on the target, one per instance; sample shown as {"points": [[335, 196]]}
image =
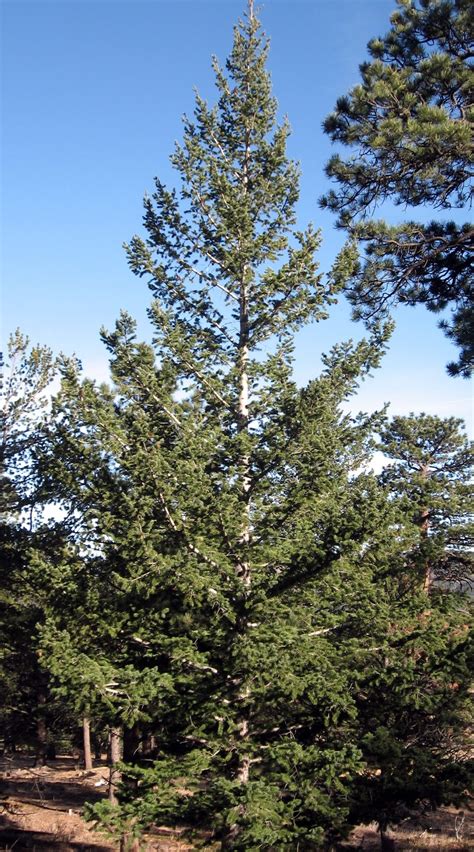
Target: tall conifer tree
{"points": [[224, 517], [235, 557], [429, 474]]}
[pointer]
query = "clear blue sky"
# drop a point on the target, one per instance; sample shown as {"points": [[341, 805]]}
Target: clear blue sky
{"points": [[93, 94]]}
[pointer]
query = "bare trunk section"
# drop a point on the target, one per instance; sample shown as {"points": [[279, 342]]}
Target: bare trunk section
{"points": [[424, 524], [387, 844], [243, 414], [243, 567], [86, 738], [128, 844], [115, 755], [428, 571]]}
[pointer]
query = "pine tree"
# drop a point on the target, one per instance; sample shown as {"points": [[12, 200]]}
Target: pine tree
{"points": [[408, 127], [414, 708], [224, 517], [430, 477]]}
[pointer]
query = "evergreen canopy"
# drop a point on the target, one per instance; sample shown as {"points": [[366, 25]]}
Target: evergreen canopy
{"points": [[235, 584], [408, 124]]}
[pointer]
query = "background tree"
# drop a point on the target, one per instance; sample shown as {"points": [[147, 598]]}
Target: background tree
{"points": [[26, 375], [414, 705], [103, 606], [430, 476], [409, 127]]}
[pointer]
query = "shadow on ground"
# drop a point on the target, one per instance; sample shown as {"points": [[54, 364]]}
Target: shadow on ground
{"points": [[16, 840]]}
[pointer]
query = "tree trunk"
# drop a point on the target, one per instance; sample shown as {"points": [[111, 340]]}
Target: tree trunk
{"points": [[86, 736], [243, 567], [149, 745], [387, 844], [129, 845], [115, 755], [41, 732], [424, 524], [132, 743]]}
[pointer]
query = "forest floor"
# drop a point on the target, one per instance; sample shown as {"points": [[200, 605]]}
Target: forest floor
{"points": [[40, 810]]}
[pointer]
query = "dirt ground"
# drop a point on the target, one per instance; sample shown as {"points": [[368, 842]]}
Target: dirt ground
{"points": [[40, 810], [446, 829]]}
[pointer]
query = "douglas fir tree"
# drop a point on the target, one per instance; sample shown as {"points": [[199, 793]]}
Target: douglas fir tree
{"points": [[236, 557], [222, 521]]}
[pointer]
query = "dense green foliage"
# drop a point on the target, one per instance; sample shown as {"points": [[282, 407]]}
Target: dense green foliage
{"points": [[225, 581], [414, 707], [408, 125], [430, 477], [213, 521], [26, 375], [242, 585]]}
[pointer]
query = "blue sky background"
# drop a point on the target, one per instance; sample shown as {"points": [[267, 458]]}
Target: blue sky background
{"points": [[93, 94]]}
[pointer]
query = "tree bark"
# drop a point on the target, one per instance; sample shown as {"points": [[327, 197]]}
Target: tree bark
{"points": [[115, 755], [129, 845], [424, 524], [132, 743], [243, 567], [86, 736], [387, 844]]}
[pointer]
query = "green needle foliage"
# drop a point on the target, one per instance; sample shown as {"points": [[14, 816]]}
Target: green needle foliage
{"points": [[415, 708], [408, 125], [217, 506], [229, 585], [158, 631], [430, 476], [26, 374]]}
